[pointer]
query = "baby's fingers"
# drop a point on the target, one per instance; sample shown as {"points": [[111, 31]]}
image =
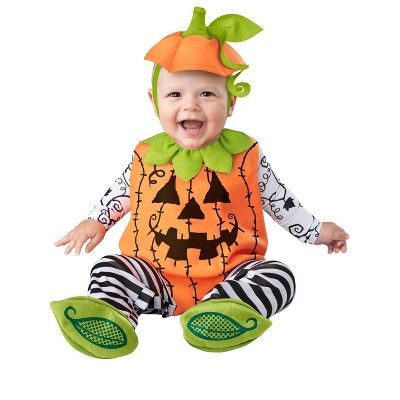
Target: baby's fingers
{"points": [[93, 243], [341, 245], [340, 235], [71, 245], [338, 246], [62, 241], [78, 246]]}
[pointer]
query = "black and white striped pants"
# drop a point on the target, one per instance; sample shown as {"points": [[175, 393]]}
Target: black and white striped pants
{"points": [[134, 287]]}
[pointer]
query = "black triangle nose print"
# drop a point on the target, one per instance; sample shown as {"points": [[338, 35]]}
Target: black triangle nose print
{"points": [[168, 194], [191, 210], [216, 193]]}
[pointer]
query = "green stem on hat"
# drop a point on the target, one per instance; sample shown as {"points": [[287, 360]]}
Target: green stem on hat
{"points": [[197, 24]]}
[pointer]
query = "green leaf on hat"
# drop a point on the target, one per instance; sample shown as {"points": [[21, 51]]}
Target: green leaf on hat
{"points": [[237, 27]]}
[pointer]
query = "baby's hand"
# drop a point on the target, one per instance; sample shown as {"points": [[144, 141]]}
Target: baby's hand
{"points": [[87, 229], [334, 237]]}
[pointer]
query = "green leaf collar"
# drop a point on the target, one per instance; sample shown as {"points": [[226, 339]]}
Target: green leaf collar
{"points": [[188, 162]]}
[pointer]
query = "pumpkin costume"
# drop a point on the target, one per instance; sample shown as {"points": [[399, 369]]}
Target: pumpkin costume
{"points": [[196, 239], [190, 250]]}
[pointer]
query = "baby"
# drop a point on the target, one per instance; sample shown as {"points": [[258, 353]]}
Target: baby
{"points": [[196, 241]]}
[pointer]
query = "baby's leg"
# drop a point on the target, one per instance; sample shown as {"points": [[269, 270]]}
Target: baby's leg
{"points": [[131, 285], [267, 286], [236, 311], [121, 288]]}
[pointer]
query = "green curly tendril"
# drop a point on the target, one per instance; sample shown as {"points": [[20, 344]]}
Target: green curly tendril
{"points": [[241, 89]]}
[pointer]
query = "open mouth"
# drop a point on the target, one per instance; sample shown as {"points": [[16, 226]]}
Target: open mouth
{"points": [[191, 126]]}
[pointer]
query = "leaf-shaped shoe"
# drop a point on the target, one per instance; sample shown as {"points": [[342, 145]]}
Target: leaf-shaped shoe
{"points": [[222, 325], [95, 327]]}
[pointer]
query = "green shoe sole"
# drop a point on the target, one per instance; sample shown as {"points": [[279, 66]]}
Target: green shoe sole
{"points": [[222, 325], [94, 327]]}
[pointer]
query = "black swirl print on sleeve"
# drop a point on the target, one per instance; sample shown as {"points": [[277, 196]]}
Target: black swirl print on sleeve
{"points": [[115, 202], [283, 207]]}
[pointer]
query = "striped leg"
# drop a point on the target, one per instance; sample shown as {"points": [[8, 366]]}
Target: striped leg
{"points": [[131, 285], [267, 286]]}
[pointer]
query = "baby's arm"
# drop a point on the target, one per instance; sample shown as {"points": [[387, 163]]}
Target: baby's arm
{"points": [[111, 208], [115, 203], [283, 207]]}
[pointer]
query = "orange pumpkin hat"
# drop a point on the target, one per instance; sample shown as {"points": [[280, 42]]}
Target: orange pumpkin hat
{"points": [[203, 48]]}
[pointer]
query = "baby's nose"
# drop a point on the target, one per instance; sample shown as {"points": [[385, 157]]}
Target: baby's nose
{"points": [[191, 104]]}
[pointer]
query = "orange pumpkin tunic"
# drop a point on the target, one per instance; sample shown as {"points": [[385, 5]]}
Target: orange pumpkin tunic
{"points": [[195, 232]]}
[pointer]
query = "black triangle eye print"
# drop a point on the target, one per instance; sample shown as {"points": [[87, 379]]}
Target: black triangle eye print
{"points": [[289, 203], [217, 192], [168, 194]]}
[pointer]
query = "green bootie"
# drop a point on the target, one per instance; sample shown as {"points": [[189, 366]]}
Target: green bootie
{"points": [[94, 327], [222, 325]]}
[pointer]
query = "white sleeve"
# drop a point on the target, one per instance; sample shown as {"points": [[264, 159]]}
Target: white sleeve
{"points": [[116, 201], [283, 207]]}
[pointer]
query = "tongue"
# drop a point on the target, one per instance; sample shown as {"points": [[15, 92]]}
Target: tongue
{"points": [[192, 124]]}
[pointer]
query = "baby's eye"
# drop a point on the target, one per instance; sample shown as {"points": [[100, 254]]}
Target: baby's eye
{"points": [[207, 93], [174, 94]]}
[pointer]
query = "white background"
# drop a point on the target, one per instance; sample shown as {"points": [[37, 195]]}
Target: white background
{"points": [[325, 108]]}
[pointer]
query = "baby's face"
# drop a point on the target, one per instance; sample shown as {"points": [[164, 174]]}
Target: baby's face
{"points": [[192, 106]]}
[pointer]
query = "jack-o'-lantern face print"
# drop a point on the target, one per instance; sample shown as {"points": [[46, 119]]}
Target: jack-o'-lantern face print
{"points": [[179, 243]]}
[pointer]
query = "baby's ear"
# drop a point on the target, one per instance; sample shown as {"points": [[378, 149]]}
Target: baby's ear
{"points": [[232, 106], [233, 102]]}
